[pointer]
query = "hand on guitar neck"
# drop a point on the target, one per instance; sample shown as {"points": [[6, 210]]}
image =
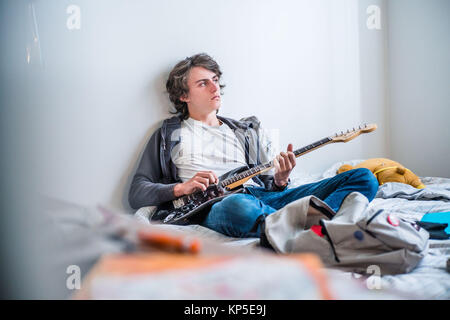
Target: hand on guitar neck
{"points": [[284, 163], [200, 181]]}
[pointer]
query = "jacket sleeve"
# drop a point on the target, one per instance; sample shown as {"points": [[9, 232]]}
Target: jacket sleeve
{"points": [[146, 188]]}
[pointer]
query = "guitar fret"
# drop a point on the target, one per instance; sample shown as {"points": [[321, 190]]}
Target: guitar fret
{"points": [[311, 146]]}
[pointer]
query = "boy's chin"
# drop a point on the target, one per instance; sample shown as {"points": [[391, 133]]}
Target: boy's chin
{"points": [[216, 107]]}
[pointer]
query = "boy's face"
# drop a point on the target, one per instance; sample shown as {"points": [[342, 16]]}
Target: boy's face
{"points": [[204, 91]]}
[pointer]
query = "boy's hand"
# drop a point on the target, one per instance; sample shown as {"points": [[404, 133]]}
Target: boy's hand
{"points": [[284, 163], [200, 181]]}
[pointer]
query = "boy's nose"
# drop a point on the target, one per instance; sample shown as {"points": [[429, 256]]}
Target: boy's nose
{"points": [[214, 87]]}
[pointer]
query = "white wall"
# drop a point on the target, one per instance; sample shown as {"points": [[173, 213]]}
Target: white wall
{"points": [[96, 94], [419, 78], [374, 75]]}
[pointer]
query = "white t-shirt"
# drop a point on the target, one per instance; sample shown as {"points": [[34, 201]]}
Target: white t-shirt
{"points": [[203, 148]]}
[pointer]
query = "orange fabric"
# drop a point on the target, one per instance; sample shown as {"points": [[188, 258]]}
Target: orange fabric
{"points": [[141, 263]]}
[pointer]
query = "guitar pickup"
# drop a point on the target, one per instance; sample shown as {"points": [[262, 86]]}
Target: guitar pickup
{"points": [[177, 203]]}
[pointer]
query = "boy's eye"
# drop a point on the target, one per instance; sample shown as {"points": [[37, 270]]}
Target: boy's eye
{"points": [[202, 84]]}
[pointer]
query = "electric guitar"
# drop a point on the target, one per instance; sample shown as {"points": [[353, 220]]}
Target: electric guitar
{"points": [[182, 210]]}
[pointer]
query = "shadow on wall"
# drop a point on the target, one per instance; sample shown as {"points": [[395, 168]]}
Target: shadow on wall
{"points": [[163, 106]]}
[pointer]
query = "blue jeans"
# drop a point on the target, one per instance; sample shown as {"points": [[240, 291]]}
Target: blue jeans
{"points": [[235, 216]]}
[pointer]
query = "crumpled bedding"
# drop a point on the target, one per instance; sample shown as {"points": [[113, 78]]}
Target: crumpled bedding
{"points": [[404, 191], [429, 280]]}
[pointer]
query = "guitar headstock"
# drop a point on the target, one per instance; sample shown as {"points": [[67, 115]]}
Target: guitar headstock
{"points": [[350, 134]]}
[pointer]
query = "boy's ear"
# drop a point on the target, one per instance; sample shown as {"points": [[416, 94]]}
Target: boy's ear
{"points": [[184, 98]]}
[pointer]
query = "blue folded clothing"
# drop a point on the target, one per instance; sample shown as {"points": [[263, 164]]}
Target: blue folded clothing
{"points": [[438, 217]]}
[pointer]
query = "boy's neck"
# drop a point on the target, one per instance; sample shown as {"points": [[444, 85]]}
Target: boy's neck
{"points": [[208, 119]]}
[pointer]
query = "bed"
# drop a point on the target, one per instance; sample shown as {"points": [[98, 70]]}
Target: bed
{"points": [[429, 280], [85, 234]]}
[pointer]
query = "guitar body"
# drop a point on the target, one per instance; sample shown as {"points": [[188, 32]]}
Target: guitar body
{"points": [[192, 208]]}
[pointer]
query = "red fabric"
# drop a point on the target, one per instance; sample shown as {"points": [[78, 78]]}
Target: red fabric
{"points": [[317, 230]]}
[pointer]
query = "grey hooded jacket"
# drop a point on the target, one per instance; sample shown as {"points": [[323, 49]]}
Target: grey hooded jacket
{"points": [[156, 175]]}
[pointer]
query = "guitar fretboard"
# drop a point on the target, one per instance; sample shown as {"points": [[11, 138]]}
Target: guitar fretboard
{"points": [[257, 169]]}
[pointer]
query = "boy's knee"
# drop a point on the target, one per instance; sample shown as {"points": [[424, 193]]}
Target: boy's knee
{"points": [[233, 202], [234, 215], [366, 176], [362, 174], [232, 206]]}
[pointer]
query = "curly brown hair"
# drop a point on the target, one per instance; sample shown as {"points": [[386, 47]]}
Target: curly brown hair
{"points": [[176, 84]]}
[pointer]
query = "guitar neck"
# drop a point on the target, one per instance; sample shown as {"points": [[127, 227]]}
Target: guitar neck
{"points": [[267, 166]]}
